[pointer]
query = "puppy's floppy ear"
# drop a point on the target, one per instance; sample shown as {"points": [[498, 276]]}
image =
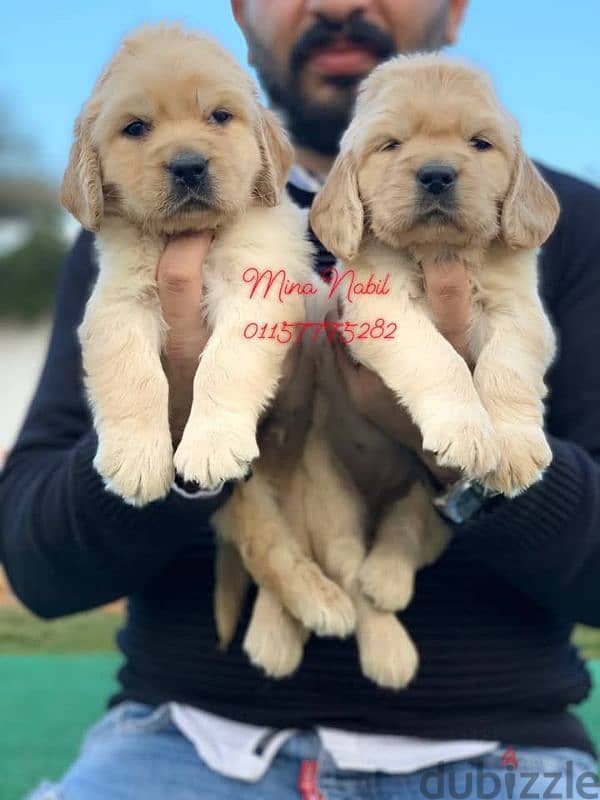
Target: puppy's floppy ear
{"points": [[81, 188], [530, 208], [277, 155], [337, 215]]}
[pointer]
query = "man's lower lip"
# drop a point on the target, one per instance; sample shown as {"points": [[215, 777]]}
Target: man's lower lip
{"points": [[353, 61]]}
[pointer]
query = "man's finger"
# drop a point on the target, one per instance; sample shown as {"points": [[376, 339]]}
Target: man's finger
{"points": [[179, 279], [449, 295]]}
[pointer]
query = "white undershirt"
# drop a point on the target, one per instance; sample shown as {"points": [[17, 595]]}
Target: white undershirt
{"points": [[230, 748]]}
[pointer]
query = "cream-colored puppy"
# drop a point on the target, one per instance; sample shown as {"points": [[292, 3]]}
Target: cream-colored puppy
{"points": [[372, 546], [262, 529], [432, 168], [174, 139], [330, 553]]}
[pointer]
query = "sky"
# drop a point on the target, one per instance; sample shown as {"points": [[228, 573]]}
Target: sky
{"points": [[542, 54]]}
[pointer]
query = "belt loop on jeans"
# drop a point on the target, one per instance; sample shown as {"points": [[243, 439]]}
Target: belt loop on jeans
{"points": [[307, 781]]}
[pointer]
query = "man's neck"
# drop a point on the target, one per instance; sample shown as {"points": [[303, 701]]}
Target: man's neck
{"points": [[312, 161]]}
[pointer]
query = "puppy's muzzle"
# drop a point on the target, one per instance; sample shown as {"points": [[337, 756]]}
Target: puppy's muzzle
{"points": [[189, 174], [436, 178]]}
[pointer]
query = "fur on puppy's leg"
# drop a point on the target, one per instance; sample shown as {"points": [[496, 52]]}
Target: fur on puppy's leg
{"points": [[388, 655], [121, 336], [274, 640], [231, 586], [408, 537], [276, 561], [335, 515]]}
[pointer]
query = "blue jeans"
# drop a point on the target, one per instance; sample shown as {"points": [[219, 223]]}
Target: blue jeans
{"points": [[136, 753]]}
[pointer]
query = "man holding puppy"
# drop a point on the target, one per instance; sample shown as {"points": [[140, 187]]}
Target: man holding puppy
{"points": [[492, 618]]}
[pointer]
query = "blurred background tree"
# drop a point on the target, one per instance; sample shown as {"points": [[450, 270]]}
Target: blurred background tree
{"points": [[33, 236]]}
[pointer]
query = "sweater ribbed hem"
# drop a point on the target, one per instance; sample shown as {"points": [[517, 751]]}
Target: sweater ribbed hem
{"points": [[533, 528], [510, 728]]}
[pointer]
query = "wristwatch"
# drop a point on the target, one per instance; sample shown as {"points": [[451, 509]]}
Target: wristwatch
{"points": [[464, 500]]}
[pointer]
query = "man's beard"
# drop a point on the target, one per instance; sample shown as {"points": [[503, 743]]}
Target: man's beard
{"points": [[317, 126]]}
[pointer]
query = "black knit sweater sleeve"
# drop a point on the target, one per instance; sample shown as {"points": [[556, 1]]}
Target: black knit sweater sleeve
{"points": [[547, 541], [65, 542]]}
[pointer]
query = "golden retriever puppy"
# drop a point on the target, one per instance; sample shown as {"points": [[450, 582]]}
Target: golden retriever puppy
{"points": [[313, 514], [173, 139], [432, 168], [262, 531], [371, 545]]}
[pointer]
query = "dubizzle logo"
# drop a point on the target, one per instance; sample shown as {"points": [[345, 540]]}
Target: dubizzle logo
{"points": [[509, 780]]}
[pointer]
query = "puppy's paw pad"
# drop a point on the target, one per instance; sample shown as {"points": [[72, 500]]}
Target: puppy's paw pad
{"points": [[464, 440], [388, 581], [388, 655], [216, 450], [524, 455], [137, 468]]}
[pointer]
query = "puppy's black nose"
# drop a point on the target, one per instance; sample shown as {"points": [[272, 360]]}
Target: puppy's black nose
{"points": [[436, 178], [188, 169]]}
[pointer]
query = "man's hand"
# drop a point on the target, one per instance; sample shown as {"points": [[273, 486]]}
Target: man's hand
{"points": [[449, 296], [179, 278]]}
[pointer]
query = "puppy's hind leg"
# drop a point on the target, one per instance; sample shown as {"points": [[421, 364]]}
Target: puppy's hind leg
{"points": [[274, 640], [408, 537], [336, 521], [276, 561]]}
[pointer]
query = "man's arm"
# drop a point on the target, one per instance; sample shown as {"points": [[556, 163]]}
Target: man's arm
{"points": [[65, 542]]}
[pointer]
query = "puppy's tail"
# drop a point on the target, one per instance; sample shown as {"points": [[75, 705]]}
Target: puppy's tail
{"points": [[231, 585]]}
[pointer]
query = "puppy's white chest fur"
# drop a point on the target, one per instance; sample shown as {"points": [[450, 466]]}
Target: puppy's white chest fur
{"points": [[262, 239]]}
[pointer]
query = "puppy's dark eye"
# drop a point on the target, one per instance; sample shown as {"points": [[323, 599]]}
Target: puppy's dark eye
{"points": [[136, 129], [220, 116], [480, 144], [392, 144]]}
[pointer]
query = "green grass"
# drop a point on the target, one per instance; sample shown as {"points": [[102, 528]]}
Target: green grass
{"points": [[55, 679], [588, 641], [47, 703], [93, 632]]}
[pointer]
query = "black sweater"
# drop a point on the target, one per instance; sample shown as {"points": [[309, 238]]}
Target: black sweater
{"points": [[492, 619]]}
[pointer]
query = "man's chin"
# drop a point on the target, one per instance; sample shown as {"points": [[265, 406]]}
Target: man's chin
{"points": [[329, 91], [343, 82]]}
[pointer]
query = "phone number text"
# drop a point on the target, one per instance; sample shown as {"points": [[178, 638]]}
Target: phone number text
{"points": [[285, 332]]}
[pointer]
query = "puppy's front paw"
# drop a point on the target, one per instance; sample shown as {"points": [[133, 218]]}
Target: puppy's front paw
{"points": [[524, 455], [219, 448], [139, 468], [463, 439], [274, 640], [387, 580], [388, 655]]}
